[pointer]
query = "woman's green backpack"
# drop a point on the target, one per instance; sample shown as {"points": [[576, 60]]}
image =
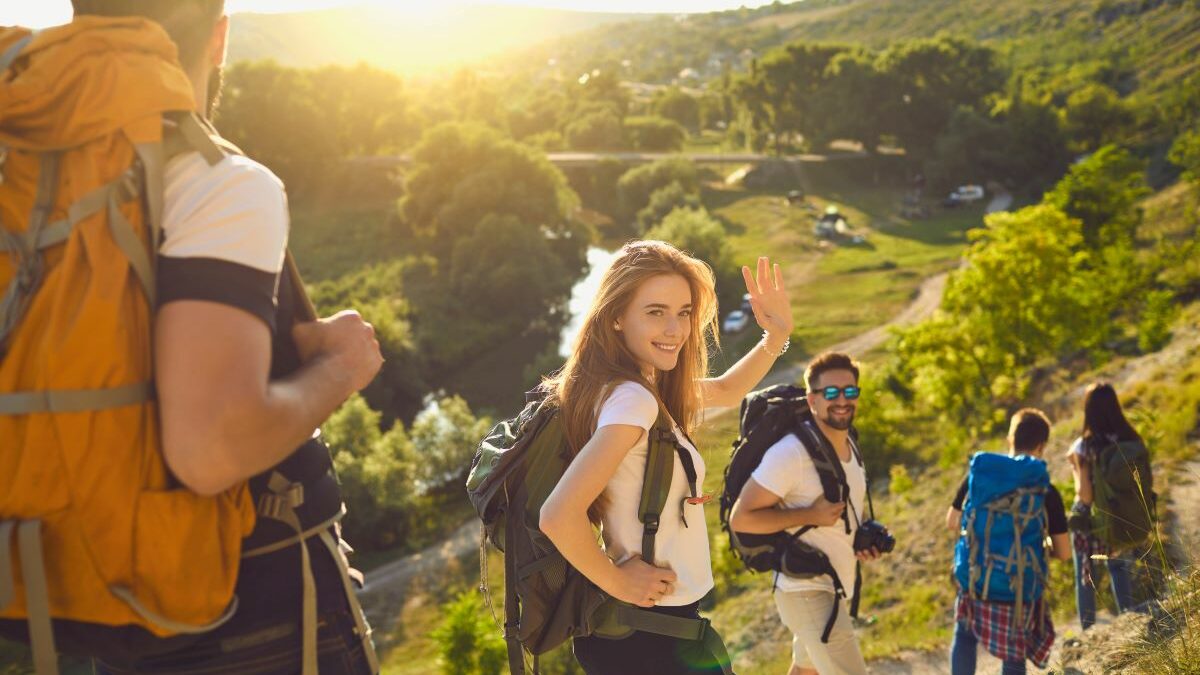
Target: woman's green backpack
{"points": [[1123, 504]]}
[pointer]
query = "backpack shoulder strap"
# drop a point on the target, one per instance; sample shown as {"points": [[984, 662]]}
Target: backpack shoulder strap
{"points": [[660, 468], [10, 55], [826, 461]]}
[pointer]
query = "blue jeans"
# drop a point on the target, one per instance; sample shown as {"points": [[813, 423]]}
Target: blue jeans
{"points": [[1085, 594], [964, 649]]}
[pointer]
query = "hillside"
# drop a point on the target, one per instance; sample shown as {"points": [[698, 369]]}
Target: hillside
{"points": [[1139, 42], [410, 42]]}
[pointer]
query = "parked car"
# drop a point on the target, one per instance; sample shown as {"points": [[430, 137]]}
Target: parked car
{"points": [[735, 321], [963, 194]]}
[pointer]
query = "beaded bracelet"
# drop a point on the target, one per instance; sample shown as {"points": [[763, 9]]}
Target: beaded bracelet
{"points": [[786, 343]]}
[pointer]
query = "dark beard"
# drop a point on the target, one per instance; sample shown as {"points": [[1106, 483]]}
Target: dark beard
{"points": [[215, 81], [838, 424]]}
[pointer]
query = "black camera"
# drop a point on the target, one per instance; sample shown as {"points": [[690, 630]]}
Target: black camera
{"points": [[871, 534]]}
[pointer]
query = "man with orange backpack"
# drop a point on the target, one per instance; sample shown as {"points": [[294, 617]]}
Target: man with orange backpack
{"points": [[164, 504]]}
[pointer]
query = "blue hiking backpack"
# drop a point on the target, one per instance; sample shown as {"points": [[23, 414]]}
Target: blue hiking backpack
{"points": [[1000, 556]]}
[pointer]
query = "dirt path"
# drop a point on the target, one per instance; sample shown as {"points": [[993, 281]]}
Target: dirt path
{"points": [[389, 584]]}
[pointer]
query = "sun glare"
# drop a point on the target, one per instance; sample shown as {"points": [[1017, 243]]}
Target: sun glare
{"points": [[53, 12]]}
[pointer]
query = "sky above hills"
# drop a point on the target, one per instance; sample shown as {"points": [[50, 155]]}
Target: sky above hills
{"points": [[51, 12]]}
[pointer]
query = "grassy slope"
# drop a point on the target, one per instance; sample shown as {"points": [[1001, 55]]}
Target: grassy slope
{"points": [[1155, 45], [839, 291]]}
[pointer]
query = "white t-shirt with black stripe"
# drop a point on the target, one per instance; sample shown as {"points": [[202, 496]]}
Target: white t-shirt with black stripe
{"points": [[225, 228]]}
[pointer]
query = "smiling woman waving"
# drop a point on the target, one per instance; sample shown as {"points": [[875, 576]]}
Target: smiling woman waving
{"points": [[638, 366]]}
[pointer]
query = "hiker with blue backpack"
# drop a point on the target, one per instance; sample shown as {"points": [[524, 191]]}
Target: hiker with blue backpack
{"points": [[1114, 500], [1004, 511], [605, 442]]}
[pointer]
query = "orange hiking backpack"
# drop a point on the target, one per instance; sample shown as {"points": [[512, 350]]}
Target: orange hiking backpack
{"points": [[93, 529]]}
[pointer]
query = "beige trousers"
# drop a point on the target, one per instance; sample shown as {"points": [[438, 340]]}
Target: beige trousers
{"points": [[805, 614]]}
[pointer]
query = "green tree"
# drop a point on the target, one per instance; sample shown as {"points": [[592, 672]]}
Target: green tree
{"points": [[376, 292], [1103, 193], [1024, 294], [376, 473], [698, 233], [598, 129], [675, 104], [467, 186], [271, 113], [1185, 153], [366, 109], [444, 436], [664, 201], [1095, 116], [468, 642], [654, 134], [635, 188], [927, 80]]}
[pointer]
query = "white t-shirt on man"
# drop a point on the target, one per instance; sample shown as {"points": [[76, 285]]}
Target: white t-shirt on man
{"points": [[681, 548], [787, 470]]}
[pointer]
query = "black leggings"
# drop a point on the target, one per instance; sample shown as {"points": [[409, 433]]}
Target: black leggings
{"points": [[646, 653]]}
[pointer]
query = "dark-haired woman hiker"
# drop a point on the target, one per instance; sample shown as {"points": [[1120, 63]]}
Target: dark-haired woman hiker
{"points": [[1104, 423]]}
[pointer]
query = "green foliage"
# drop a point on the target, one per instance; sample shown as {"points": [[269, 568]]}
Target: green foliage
{"points": [[496, 220], [1158, 314], [663, 201], [675, 104], [302, 123], [900, 482], [636, 186], [1102, 192], [376, 292], [1017, 142], [444, 436], [696, 232], [929, 79], [599, 129], [375, 470], [1185, 153], [654, 134], [1023, 295], [597, 184], [1095, 116], [468, 642]]}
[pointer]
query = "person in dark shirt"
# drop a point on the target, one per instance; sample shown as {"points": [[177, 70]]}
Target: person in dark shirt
{"points": [[992, 623]]}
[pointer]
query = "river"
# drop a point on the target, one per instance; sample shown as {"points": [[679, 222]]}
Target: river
{"points": [[582, 294]]}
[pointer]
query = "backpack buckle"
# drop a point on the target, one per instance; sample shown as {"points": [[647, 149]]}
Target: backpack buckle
{"points": [[650, 524]]}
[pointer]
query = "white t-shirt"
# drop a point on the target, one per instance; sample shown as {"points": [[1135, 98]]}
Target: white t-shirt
{"points": [[787, 471], [682, 549], [225, 228]]}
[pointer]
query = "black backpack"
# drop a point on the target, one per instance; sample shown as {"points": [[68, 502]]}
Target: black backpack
{"points": [[766, 417]]}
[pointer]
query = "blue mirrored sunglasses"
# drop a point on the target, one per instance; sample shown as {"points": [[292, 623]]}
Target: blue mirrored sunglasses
{"points": [[831, 393]]}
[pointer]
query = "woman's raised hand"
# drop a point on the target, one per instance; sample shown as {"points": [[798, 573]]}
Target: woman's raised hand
{"points": [[768, 299]]}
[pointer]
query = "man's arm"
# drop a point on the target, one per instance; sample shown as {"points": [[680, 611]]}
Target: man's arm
{"points": [[755, 512], [223, 419], [954, 520]]}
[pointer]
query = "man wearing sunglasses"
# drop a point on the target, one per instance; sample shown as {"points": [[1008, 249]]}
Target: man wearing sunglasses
{"points": [[785, 492]]}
